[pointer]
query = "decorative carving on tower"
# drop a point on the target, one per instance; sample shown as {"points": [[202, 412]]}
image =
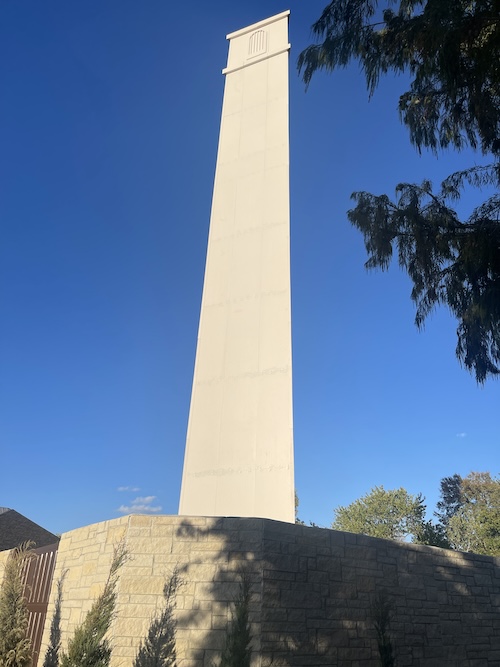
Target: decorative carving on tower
{"points": [[257, 44]]}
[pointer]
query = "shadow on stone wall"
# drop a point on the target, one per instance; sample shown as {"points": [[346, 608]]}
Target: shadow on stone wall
{"points": [[313, 591], [224, 550]]}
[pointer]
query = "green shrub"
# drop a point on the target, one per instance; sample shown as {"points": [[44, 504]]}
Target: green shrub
{"points": [[15, 647], [382, 611], [237, 651], [158, 648], [89, 647]]}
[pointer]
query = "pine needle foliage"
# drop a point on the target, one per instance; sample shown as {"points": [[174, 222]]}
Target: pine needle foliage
{"points": [[89, 646], [450, 499], [451, 50], [237, 651], [451, 263], [158, 648], [15, 647]]}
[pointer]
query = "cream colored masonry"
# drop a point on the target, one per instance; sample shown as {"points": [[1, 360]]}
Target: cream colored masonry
{"points": [[156, 545], [313, 591], [239, 447]]}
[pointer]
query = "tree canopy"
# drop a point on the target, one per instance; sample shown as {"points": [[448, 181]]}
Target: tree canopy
{"points": [[468, 514], [391, 514], [451, 51], [472, 512]]}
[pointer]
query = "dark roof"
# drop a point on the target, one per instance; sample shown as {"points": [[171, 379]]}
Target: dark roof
{"points": [[16, 529]]}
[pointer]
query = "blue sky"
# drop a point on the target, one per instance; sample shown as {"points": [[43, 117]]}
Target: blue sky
{"points": [[109, 118]]}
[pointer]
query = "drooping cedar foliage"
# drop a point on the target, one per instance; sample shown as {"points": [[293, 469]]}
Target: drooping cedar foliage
{"points": [[451, 51]]}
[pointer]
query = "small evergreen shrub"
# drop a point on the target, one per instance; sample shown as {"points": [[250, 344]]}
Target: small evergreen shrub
{"points": [[89, 646], [237, 651], [15, 647], [157, 649], [382, 611]]}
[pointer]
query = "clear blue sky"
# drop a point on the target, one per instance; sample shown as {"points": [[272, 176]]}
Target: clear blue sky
{"points": [[109, 118]]}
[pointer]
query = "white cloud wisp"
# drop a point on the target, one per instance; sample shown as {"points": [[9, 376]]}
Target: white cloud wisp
{"points": [[140, 504]]}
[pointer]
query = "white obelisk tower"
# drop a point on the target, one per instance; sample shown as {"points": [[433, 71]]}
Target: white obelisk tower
{"points": [[239, 449]]}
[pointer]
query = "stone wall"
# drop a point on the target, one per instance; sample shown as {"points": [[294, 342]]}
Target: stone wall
{"points": [[320, 587], [208, 554], [313, 592]]}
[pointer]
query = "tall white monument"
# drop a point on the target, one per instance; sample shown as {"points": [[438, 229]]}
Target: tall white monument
{"points": [[239, 449]]}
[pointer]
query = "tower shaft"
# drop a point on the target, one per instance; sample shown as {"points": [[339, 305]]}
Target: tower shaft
{"points": [[239, 449]]}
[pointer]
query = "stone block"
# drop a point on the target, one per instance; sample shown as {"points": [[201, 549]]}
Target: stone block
{"points": [[483, 580], [115, 534], [277, 575], [137, 570], [154, 601], [220, 621], [352, 654], [141, 585], [287, 563], [416, 594], [140, 520], [135, 532], [361, 554], [74, 572]]}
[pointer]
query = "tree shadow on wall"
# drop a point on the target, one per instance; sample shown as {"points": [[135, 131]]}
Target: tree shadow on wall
{"points": [[216, 557], [444, 605], [313, 592], [290, 614]]}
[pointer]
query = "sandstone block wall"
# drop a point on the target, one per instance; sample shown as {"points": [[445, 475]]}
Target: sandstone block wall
{"points": [[313, 591], [319, 588], [208, 554]]}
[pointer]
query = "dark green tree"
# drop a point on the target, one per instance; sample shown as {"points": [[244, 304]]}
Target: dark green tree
{"points": [[237, 651], [158, 648], [15, 646], [390, 514], [89, 646], [451, 51], [450, 499], [431, 534]]}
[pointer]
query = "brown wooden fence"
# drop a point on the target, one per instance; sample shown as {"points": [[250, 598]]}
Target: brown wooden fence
{"points": [[37, 578]]}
